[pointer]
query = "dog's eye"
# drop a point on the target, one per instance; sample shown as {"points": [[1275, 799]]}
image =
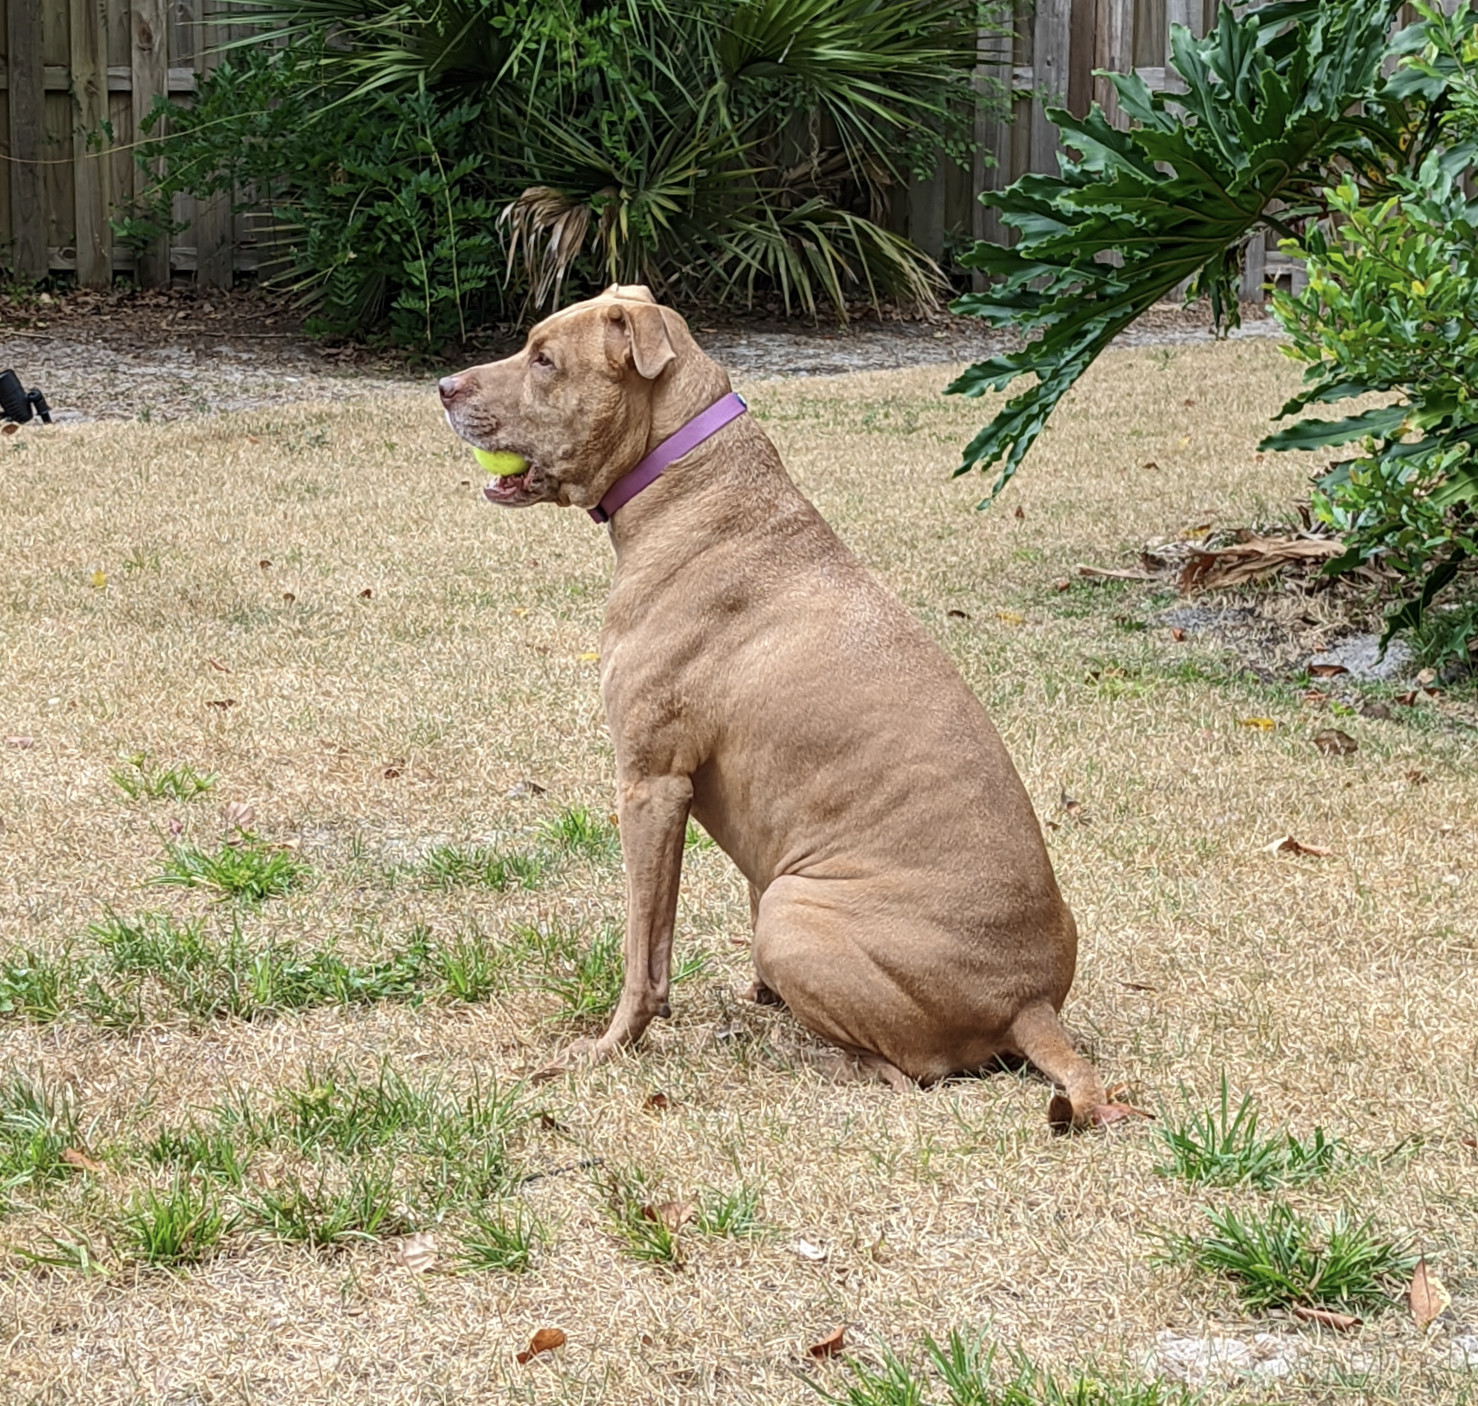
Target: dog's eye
{"points": [[543, 362]]}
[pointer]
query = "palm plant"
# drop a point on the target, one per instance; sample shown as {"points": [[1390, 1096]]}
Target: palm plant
{"points": [[709, 147]]}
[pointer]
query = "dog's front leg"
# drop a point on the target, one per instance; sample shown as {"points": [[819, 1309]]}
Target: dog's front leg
{"points": [[653, 812]]}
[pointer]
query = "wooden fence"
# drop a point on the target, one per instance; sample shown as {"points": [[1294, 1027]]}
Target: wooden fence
{"points": [[69, 66]]}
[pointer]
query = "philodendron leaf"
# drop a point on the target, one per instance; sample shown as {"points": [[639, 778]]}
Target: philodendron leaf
{"points": [[1268, 108]]}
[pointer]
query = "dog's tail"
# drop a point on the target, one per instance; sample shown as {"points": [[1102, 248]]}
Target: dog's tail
{"points": [[1080, 1101]]}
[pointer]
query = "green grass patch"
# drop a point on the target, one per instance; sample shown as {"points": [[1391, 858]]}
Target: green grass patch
{"points": [[1222, 1146], [504, 1241], [963, 1371], [1278, 1259], [141, 779], [584, 972], [33, 986], [581, 833], [635, 1215], [477, 866], [311, 1211], [248, 869], [733, 1213], [198, 1152], [37, 1125], [183, 1224]]}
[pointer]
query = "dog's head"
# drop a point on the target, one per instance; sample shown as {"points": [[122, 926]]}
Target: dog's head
{"points": [[595, 385]]}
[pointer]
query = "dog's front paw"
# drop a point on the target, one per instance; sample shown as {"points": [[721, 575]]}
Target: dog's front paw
{"points": [[582, 1054]]}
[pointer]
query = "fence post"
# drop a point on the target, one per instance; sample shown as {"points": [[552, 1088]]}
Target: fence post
{"points": [[90, 181], [1113, 50], [27, 188], [213, 220], [1051, 65], [149, 46]]}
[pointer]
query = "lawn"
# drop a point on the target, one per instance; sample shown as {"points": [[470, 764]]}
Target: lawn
{"points": [[305, 858]]}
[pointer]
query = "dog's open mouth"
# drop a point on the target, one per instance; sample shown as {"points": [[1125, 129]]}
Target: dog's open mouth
{"points": [[511, 489]]}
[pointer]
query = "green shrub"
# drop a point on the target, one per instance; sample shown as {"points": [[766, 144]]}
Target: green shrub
{"points": [[1392, 306], [431, 168]]}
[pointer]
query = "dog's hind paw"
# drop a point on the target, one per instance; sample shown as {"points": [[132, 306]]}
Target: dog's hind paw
{"points": [[1061, 1120]]}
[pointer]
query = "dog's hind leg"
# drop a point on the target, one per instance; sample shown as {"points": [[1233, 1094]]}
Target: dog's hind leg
{"points": [[1081, 1101]]}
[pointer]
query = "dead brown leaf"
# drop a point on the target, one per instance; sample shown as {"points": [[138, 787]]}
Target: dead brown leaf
{"points": [[1211, 567], [1149, 464], [1136, 986], [1427, 1296], [366, 594], [1327, 1317], [9, 427], [830, 1345], [221, 703], [545, 1340], [75, 1157], [1062, 584], [1334, 743], [673, 1214], [237, 815], [1326, 671], [289, 597], [1288, 845], [218, 666], [1074, 807], [265, 564], [1178, 635], [1417, 777], [958, 614], [1018, 514], [417, 1252], [659, 1101]]}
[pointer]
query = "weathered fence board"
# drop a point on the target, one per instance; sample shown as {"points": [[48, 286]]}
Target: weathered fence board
{"points": [[26, 104]]}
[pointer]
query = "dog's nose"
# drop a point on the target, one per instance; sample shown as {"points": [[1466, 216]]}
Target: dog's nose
{"points": [[450, 388]]}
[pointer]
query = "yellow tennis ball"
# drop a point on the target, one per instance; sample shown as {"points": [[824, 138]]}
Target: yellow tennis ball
{"points": [[502, 462]]}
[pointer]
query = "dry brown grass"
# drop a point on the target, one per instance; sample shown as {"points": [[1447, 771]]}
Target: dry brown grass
{"points": [[1340, 991]]}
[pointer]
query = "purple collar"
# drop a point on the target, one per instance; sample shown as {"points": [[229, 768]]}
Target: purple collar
{"points": [[699, 428]]}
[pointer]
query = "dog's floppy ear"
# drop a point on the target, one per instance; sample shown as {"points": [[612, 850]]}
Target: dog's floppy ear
{"points": [[637, 335]]}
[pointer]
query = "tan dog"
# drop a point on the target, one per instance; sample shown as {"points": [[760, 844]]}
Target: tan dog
{"points": [[756, 677]]}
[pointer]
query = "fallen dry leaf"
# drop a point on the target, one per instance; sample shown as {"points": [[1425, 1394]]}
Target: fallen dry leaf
{"points": [[218, 666], [252, 439], [75, 1157], [1326, 1317], [1417, 777], [673, 1214], [525, 788], [417, 1252], [1315, 696], [1011, 617], [393, 770], [1334, 743], [221, 703], [807, 1251], [366, 594], [1427, 1296], [829, 1346], [1288, 845], [1261, 724], [1246, 561], [100, 580], [659, 1101], [19, 740], [589, 656], [1149, 464], [1018, 514], [289, 597], [1074, 807], [1326, 671], [1136, 986], [1178, 635], [9, 427], [545, 1340], [265, 564], [237, 815], [1062, 584], [958, 614]]}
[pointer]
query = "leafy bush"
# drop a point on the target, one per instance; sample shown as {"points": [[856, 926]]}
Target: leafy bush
{"points": [[421, 157], [1286, 121], [1392, 306]]}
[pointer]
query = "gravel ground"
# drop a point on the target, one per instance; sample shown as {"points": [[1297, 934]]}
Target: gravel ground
{"points": [[162, 355]]}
